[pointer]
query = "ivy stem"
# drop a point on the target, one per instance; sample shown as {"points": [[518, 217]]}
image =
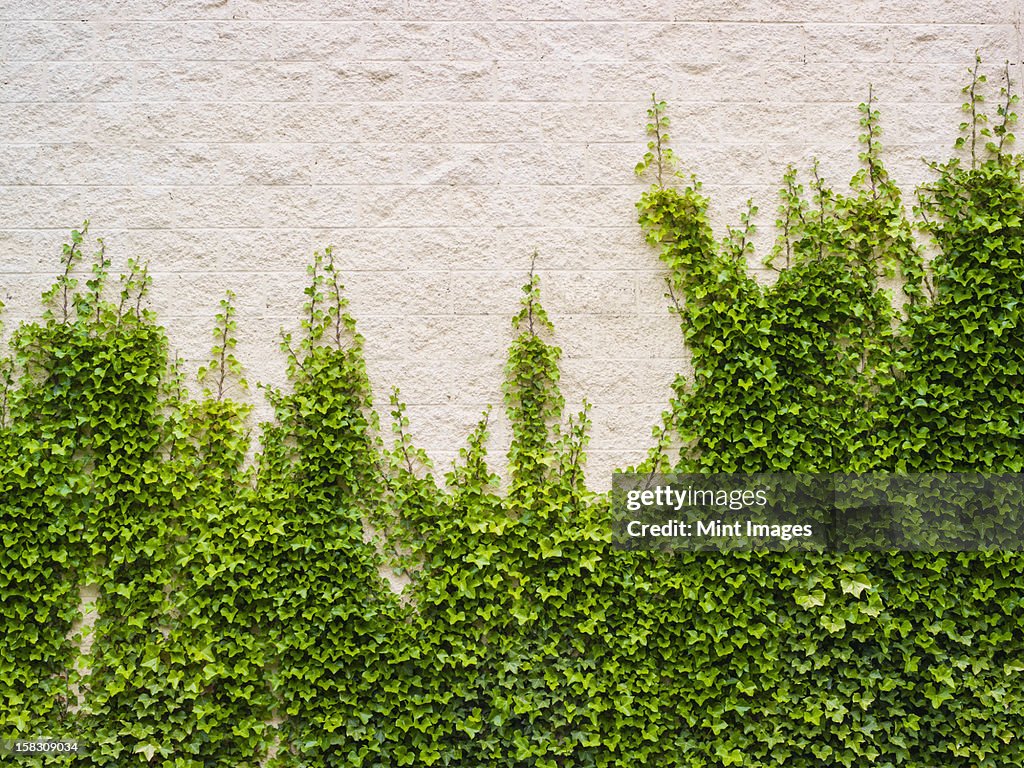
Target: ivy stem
{"points": [[871, 153], [974, 110]]}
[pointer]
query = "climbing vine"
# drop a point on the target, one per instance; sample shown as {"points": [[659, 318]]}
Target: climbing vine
{"points": [[337, 601], [869, 657]]}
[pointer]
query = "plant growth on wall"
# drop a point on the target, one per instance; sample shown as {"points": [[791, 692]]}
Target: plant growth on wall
{"points": [[243, 616], [896, 658]]}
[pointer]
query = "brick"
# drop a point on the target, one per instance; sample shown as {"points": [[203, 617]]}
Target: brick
{"points": [[651, 287], [607, 381], [186, 41], [631, 81], [276, 164], [448, 425], [156, 207], [581, 42], [493, 40], [730, 124], [217, 250], [442, 382], [494, 250], [55, 10], [198, 294], [320, 41], [494, 123], [174, 122], [820, 83], [45, 123], [386, 248], [223, 81], [541, 81], [760, 11], [394, 81], [834, 43], [567, 247], [177, 164], [496, 293], [590, 292], [48, 41], [614, 163], [64, 82], [324, 10], [622, 337], [451, 10], [596, 206], [408, 41], [21, 294], [616, 10], [760, 42], [161, 10], [437, 206], [621, 427], [64, 207], [546, 10], [460, 337], [945, 11], [351, 123], [656, 42], [360, 164], [404, 293], [489, 164], [586, 122], [64, 164], [953, 44], [29, 250]]}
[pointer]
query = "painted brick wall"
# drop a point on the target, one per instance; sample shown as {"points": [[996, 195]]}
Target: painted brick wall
{"points": [[436, 144]]}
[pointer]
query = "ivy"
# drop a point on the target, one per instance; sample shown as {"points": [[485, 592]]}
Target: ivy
{"points": [[338, 601], [867, 655], [328, 616]]}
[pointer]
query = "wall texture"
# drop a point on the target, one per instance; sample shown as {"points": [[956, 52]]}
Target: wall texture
{"points": [[436, 144]]}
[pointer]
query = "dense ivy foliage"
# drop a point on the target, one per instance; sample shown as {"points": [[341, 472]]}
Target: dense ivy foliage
{"points": [[169, 605], [892, 659]]}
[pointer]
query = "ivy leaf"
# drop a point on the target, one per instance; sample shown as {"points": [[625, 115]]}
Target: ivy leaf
{"points": [[855, 584], [810, 599]]}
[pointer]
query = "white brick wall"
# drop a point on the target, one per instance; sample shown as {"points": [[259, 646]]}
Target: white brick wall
{"points": [[436, 144]]}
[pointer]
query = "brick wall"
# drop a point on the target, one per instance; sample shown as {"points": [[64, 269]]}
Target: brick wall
{"points": [[435, 144]]}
